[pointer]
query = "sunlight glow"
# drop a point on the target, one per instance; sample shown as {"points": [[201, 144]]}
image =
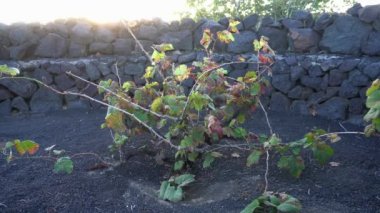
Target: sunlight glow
{"points": [[98, 10]]}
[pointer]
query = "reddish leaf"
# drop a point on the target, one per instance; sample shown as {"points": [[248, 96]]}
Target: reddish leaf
{"points": [[214, 126], [26, 146], [206, 38]]}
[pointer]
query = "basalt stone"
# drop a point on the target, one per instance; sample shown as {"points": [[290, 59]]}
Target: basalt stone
{"points": [[20, 104], [334, 109], [300, 92], [57, 27], [372, 70], [315, 71], [92, 71], [331, 92], [356, 105], [299, 107], [4, 52], [21, 33], [42, 75], [313, 82], [77, 50], [250, 22], [336, 78], [146, 44], [90, 90], [291, 60], [5, 107], [5, 94], [238, 66], [323, 22], [316, 98], [28, 65], [134, 69], [68, 67], [104, 35], [51, 46], [267, 21], [296, 72], [280, 67], [303, 16], [82, 33], [278, 39], [22, 51], [100, 47], [186, 58], [357, 78], [325, 82], [369, 13], [347, 90], [340, 39], [226, 22], [372, 45], [348, 65], [304, 40], [291, 23], [186, 23], [20, 87], [282, 82], [104, 68], [181, 40], [174, 26], [330, 64], [243, 42], [306, 63], [54, 67], [45, 100], [123, 46], [147, 33], [237, 73], [354, 10], [63, 81], [279, 102]]}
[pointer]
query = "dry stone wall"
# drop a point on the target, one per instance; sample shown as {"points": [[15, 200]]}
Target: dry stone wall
{"points": [[323, 66]]}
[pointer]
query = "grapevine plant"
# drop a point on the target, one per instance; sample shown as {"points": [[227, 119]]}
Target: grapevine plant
{"points": [[196, 122]]}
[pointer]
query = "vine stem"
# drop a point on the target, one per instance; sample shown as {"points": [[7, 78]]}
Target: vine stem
{"points": [[341, 133], [122, 98], [266, 149]]}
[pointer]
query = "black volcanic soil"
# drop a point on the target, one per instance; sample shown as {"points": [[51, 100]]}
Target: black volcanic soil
{"points": [[29, 185]]}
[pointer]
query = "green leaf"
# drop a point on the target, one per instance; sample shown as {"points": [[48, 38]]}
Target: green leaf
{"points": [[274, 140], [128, 85], [104, 84], [164, 186], [192, 156], [157, 56], [164, 47], [141, 115], [26, 146], [322, 152], [373, 101], [198, 101], [208, 160], [372, 114], [9, 70], [186, 142], [225, 36], [115, 120], [184, 180], [250, 208], [181, 72], [254, 157], [255, 89], [179, 165], [294, 164], [375, 86], [63, 165], [120, 139], [288, 207], [156, 104], [149, 72], [240, 132], [9, 145], [257, 45]]}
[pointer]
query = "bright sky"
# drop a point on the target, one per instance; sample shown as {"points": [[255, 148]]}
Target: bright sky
{"points": [[96, 10]]}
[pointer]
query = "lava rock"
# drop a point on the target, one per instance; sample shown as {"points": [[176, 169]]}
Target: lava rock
{"points": [[104, 69], [206, 24], [267, 21], [313, 82], [20, 104], [134, 69], [323, 22], [5, 94], [182, 40], [334, 109], [372, 45], [123, 46], [304, 40], [279, 102], [147, 33], [82, 33], [250, 22], [63, 81], [20, 87], [5, 107], [369, 13], [336, 78], [186, 23], [299, 107], [57, 27], [42, 75], [103, 34], [303, 16], [296, 72], [51, 46], [100, 47], [22, 51], [356, 106], [338, 38], [354, 10], [280, 67], [348, 65], [315, 71], [347, 90], [357, 78], [186, 58], [146, 44], [278, 39], [243, 42], [291, 23], [300, 92], [45, 100], [282, 82], [77, 50], [372, 70], [21, 33], [92, 71]]}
